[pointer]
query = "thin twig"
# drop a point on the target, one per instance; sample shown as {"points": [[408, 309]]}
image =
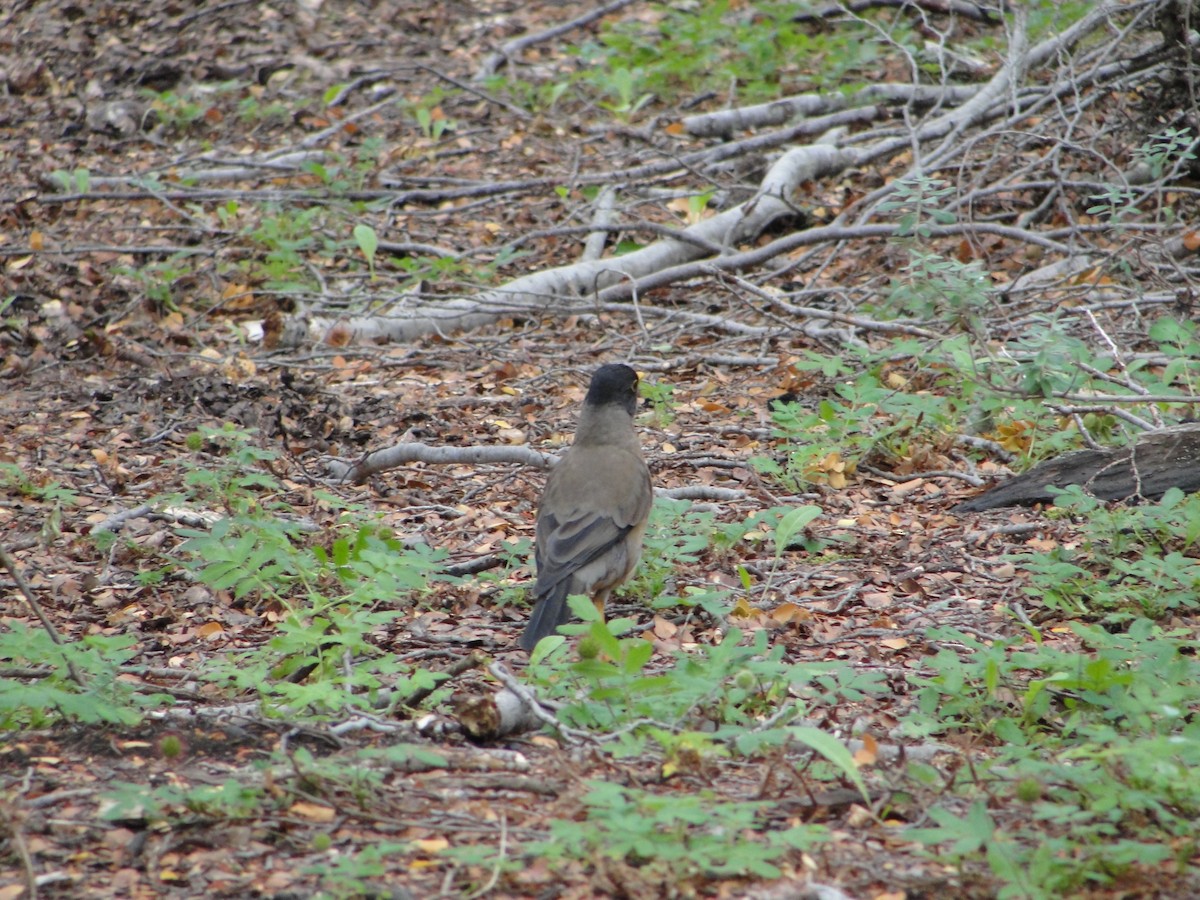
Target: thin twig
{"points": [[11, 565], [508, 51]]}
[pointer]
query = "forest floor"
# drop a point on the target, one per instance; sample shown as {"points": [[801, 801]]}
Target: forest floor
{"points": [[138, 316]]}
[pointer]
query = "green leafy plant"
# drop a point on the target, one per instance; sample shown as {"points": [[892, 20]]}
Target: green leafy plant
{"points": [[430, 118], [974, 833], [719, 690], [56, 696], [791, 525], [448, 269], [357, 874], [228, 212], [159, 280], [499, 583], [433, 127], [621, 86], [230, 800], [177, 112], [719, 46], [16, 481], [865, 421], [675, 535], [678, 535], [76, 181], [918, 203], [875, 415], [685, 835], [936, 287], [332, 599], [286, 234], [537, 97], [252, 109], [1131, 561], [660, 394], [368, 243], [228, 471], [1094, 744], [341, 175], [1173, 145], [1178, 339], [1055, 16], [787, 532], [344, 598], [7, 319], [1095, 740], [1114, 203]]}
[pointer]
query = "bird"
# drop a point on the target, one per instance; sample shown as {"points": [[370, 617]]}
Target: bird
{"points": [[593, 512]]}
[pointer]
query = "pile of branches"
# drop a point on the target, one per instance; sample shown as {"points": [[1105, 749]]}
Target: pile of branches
{"points": [[1042, 156]]}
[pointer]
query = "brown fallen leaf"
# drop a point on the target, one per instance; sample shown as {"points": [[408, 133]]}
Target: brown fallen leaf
{"points": [[313, 812]]}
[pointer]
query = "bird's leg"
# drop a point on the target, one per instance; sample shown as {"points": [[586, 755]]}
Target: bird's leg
{"points": [[599, 600]]}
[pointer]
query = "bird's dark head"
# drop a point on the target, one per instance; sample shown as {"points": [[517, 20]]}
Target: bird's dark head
{"points": [[614, 383]]}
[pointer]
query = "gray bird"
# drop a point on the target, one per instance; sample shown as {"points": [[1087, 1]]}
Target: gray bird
{"points": [[593, 512]]}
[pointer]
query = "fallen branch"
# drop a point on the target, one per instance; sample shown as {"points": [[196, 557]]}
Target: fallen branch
{"points": [[603, 218], [558, 288], [513, 48], [727, 121], [1153, 464], [947, 7], [411, 451]]}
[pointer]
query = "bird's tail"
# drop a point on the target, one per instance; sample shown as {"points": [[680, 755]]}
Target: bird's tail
{"points": [[549, 612]]}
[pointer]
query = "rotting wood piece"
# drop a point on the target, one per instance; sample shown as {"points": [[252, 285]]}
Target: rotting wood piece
{"points": [[1155, 462], [488, 717]]}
